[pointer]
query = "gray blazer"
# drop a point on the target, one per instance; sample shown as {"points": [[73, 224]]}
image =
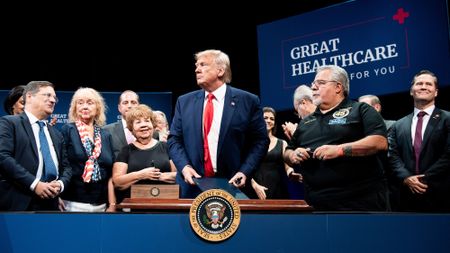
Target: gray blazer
{"points": [[118, 136]]}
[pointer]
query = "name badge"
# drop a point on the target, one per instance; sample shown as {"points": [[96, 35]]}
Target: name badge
{"points": [[340, 121]]}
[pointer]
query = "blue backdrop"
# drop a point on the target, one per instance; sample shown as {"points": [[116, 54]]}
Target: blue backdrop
{"points": [[381, 44], [161, 101]]}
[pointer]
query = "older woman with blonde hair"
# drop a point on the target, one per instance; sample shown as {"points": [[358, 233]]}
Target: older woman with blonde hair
{"points": [[91, 155], [144, 161]]}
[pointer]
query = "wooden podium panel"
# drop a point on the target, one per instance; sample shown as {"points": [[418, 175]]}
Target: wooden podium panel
{"points": [[250, 205], [155, 191]]}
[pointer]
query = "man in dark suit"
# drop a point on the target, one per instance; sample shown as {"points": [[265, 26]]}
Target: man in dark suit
{"points": [[121, 136], [237, 139], [25, 183], [423, 179], [375, 102]]}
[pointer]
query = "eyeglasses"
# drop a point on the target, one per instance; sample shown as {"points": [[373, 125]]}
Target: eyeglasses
{"points": [[48, 95], [322, 82]]}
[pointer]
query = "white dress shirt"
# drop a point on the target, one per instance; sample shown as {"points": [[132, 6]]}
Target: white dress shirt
{"points": [[213, 136], [426, 119], [36, 128]]}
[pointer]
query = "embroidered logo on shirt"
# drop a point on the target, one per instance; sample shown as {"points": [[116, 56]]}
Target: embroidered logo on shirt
{"points": [[339, 116], [339, 121], [341, 113]]}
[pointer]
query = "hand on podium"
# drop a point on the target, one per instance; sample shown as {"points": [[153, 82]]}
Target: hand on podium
{"points": [[189, 173], [238, 180]]}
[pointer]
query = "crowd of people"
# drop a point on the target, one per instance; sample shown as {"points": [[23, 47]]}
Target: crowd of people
{"points": [[347, 157]]}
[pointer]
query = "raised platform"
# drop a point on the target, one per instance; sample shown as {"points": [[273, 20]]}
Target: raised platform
{"points": [[162, 232], [258, 232]]}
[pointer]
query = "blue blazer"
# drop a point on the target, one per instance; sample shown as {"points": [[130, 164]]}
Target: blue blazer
{"points": [[19, 161], [243, 139]]}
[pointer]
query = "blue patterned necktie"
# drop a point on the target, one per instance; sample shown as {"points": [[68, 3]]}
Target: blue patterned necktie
{"points": [[49, 172]]}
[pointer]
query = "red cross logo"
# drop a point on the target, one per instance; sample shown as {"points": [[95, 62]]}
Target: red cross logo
{"points": [[400, 16]]}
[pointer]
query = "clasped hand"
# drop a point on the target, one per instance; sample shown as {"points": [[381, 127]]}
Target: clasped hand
{"points": [[415, 185], [47, 190], [151, 173], [299, 155]]}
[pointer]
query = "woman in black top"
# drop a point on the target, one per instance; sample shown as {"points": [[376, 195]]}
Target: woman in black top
{"points": [[269, 181], [144, 161]]}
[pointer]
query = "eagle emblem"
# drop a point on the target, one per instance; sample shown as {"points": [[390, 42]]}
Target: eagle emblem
{"points": [[215, 212]]}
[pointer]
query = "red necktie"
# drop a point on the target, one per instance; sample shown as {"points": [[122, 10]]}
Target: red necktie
{"points": [[207, 121], [418, 138]]}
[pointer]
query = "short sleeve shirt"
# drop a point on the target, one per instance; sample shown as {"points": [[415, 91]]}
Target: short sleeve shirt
{"points": [[349, 121], [138, 159]]}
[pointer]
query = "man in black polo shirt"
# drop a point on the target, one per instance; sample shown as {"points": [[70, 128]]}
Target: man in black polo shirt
{"points": [[336, 148]]}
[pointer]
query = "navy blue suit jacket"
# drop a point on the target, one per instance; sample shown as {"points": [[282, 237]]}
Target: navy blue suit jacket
{"points": [[243, 139], [19, 161], [77, 190], [434, 156]]}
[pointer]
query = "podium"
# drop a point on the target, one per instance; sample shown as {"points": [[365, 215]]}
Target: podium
{"points": [[246, 205], [142, 199]]}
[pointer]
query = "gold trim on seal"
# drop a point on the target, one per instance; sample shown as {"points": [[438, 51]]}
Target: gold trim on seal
{"points": [[215, 215]]}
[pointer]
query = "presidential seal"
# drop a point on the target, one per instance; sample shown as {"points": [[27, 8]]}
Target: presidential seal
{"points": [[215, 215]]}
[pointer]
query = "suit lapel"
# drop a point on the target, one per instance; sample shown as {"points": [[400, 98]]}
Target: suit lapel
{"points": [[56, 142], [407, 127], [434, 120], [29, 131], [229, 107], [197, 119], [120, 133]]}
